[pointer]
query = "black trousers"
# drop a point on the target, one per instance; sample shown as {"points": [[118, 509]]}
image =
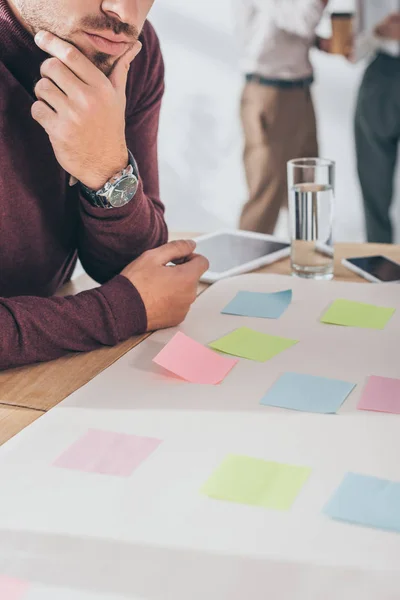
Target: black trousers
{"points": [[377, 133]]}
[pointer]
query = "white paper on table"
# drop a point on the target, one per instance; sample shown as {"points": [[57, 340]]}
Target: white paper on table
{"points": [[153, 535]]}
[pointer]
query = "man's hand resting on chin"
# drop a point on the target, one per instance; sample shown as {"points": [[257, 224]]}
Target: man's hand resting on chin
{"points": [[83, 111]]}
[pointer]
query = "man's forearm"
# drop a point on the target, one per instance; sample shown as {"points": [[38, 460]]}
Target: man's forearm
{"points": [[111, 238], [41, 329]]}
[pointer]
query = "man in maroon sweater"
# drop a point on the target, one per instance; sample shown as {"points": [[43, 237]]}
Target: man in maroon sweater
{"points": [[81, 83]]}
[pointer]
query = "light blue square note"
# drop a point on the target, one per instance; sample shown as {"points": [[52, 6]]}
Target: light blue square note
{"points": [[367, 501], [259, 305], [308, 393]]}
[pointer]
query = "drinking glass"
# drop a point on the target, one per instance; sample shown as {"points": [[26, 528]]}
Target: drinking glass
{"points": [[311, 183]]}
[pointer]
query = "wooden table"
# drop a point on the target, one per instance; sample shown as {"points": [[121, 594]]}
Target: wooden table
{"points": [[26, 393]]}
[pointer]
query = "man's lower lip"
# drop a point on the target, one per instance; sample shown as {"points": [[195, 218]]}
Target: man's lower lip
{"points": [[106, 46]]}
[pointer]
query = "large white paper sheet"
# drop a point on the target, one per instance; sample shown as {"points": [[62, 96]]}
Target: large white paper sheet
{"points": [[153, 536]]}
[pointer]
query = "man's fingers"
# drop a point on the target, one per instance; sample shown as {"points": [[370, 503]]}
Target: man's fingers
{"points": [[389, 27], [196, 266], [173, 251], [44, 115], [57, 71], [181, 261], [393, 18], [120, 72], [71, 57], [46, 90]]}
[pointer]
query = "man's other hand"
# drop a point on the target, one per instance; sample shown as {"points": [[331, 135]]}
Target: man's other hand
{"points": [[167, 291], [390, 27]]}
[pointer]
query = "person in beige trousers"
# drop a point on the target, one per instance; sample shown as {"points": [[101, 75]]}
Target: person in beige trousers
{"points": [[277, 109]]}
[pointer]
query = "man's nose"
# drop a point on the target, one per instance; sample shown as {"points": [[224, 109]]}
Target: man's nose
{"points": [[126, 11]]}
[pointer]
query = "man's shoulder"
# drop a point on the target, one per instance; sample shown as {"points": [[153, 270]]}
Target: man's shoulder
{"points": [[149, 39]]}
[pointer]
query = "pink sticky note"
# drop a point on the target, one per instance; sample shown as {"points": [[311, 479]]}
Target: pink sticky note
{"points": [[381, 394], [12, 589], [194, 362], [107, 453]]}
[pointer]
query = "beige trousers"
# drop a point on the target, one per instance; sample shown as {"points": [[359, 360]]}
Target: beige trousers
{"points": [[279, 125]]}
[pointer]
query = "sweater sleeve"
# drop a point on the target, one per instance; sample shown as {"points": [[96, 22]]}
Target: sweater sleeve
{"points": [[110, 239], [293, 16], [41, 329]]}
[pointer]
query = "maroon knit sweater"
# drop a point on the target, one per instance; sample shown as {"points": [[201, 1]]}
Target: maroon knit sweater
{"points": [[45, 224]]}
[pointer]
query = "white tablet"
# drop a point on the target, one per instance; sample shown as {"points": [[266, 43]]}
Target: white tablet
{"points": [[235, 252]]}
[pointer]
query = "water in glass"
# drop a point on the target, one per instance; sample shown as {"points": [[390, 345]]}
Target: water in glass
{"points": [[311, 210]]}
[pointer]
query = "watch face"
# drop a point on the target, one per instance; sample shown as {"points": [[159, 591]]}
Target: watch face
{"points": [[124, 191]]}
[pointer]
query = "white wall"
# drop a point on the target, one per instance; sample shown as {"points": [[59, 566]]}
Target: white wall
{"points": [[200, 138]]}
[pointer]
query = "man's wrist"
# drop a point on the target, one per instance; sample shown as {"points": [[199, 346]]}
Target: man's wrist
{"points": [[118, 190], [96, 179]]}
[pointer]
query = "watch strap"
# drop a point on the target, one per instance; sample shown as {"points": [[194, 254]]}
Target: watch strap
{"points": [[96, 198]]}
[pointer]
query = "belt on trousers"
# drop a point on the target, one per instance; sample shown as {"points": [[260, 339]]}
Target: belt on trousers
{"points": [[280, 83]]}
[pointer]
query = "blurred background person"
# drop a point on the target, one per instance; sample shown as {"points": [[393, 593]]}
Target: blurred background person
{"points": [[377, 127], [277, 109]]}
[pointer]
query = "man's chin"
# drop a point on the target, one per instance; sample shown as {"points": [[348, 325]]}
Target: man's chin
{"points": [[104, 62]]}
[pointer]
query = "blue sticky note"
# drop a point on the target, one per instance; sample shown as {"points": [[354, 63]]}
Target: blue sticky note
{"points": [[308, 393], [260, 305], [367, 501]]}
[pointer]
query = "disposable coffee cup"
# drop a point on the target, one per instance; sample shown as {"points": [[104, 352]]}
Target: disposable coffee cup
{"points": [[342, 32]]}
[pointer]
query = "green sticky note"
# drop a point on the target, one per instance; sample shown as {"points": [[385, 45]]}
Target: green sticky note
{"points": [[247, 343], [256, 482], [357, 314]]}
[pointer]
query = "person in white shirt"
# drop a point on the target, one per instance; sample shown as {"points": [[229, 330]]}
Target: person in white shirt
{"points": [[277, 109], [377, 128]]}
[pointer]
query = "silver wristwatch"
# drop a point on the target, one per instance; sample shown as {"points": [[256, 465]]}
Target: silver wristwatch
{"points": [[118, 191]]}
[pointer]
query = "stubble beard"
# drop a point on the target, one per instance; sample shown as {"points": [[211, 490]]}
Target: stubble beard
{"points": [[35, 20]]}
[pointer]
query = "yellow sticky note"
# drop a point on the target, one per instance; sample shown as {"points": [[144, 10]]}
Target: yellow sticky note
{"points": [[256, 482], [357, 314], [247, 343]]}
